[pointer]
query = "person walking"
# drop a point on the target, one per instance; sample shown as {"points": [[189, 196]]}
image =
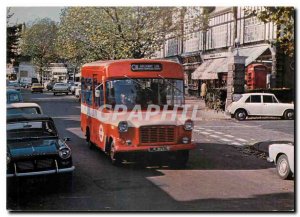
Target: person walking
{"points": [[203, 90]]}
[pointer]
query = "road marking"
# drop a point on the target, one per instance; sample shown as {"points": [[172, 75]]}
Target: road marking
{"points": [[215, 136], [236, 143], [227, 135], [226, 140], [210, 130], [242, 140], [206, 133], [219, 133], [200, 128]]}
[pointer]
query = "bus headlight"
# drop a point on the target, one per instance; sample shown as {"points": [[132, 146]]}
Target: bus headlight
{"points": [[188, 125], [123, 126], [64, 153], [185, 140]]}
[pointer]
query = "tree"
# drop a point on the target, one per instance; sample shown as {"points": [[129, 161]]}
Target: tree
{"points": [[38, 42], [13, 35], [283, 18]]}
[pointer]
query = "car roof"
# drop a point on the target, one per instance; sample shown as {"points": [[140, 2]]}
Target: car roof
{"points": [[248, 94], [28, 117], [22, 105]]}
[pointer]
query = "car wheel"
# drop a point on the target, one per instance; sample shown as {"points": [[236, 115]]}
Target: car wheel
{"points": [[181, 159], [54, 94], [115, 158], [67, 93], [240, 114], [289, 114], [283, 167]]}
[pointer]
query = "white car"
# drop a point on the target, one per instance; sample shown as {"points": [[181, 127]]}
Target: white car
{"points": [[78, 93], [283, 156], [74, 87], [260, 104], [60, 88], [23, 108]]}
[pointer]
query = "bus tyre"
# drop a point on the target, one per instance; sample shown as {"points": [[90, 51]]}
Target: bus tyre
{"points": [[114, 157], [181, 158], [88, 140]]}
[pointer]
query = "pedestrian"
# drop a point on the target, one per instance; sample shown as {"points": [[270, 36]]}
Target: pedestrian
{"points": [[203, 90]]}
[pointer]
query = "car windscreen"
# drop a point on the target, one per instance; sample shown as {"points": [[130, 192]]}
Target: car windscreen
{"points": [[60, 85], [25, 110], [13, 97], [29, 129]]}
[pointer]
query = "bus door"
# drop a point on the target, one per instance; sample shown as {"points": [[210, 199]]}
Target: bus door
{"points": [[98, 100]]}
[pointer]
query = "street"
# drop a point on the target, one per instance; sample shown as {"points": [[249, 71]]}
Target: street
{"points": [[222, 174]]}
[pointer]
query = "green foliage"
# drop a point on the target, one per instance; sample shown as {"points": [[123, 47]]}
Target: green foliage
{"points": [[38, 42], [283, 18], [13, 34]]}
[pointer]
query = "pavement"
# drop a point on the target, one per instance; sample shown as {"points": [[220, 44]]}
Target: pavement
{"points": [[204, 113]]}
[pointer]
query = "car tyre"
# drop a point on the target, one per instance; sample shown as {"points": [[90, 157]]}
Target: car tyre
{"points": [[88, 140], [289, 114], [240, 114], [283, 167], [115, 158], [54, 94], [66, 181]]}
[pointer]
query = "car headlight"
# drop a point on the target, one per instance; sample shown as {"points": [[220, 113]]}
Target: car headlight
{"points": [[64, 153], [123, 126], [188, 125], [8, 158]]}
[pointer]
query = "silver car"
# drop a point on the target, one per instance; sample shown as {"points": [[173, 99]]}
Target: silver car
{"points": [[60, 88]]}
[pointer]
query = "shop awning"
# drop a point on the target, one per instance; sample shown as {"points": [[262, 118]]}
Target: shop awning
{"points": [[252, 53], [210, 68]]}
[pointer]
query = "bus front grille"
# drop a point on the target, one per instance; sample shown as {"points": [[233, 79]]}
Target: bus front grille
{"points": [[157, 134]]}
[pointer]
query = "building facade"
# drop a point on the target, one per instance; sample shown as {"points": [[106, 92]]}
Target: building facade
{"points": [[203, 49]]}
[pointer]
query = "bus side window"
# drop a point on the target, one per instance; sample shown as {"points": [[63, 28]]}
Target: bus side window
{"points": [[99, 101], [82, 90]]}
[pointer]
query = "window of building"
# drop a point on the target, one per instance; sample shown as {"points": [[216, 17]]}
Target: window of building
{"points": [[219, 36], [254, 30]]}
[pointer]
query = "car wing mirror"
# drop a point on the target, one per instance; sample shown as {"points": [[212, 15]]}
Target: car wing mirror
{"points": [[97, 93]]}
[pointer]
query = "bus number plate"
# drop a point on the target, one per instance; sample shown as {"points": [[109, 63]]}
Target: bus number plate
{"points": [[157, 149]]}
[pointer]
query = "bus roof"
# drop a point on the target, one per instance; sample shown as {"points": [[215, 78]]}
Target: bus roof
{"points": [[110, 62], [134, 68]]}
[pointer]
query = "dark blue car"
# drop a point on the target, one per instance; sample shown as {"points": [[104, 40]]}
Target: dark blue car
{"points": [[13, 96], [34, 147]]}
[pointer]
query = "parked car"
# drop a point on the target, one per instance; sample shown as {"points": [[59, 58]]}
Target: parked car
{"points": [[283, 157], [23, 108], [37, 87], [34, 147], [60, 88], [74, 86], [50, 85], [13, 96], [14, 85], [260, 104]]}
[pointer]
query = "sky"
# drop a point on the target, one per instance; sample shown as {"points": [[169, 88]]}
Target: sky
{"points": [[29, 14]]}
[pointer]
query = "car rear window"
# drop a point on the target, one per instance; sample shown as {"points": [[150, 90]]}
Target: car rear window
{"points": [[16, 111], [253, 99]]}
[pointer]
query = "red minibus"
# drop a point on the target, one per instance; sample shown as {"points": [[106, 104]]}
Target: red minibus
{"points": [[134, 107]]}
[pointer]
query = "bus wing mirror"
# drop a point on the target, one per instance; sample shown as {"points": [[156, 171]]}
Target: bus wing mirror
{"points": [[97, 93]]}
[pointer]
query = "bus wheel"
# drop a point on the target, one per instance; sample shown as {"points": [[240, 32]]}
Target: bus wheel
{"points": [[114, 157], [88, 140], [181, 159]]}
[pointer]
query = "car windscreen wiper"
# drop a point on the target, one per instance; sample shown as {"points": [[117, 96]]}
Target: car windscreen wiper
{"points": [[138, 83]]}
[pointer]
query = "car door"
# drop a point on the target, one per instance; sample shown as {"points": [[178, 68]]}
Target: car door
{"points": [[253, 105], [271, 106]]}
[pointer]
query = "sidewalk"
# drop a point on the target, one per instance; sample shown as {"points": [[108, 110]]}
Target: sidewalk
{"points": [[205, 113]]}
